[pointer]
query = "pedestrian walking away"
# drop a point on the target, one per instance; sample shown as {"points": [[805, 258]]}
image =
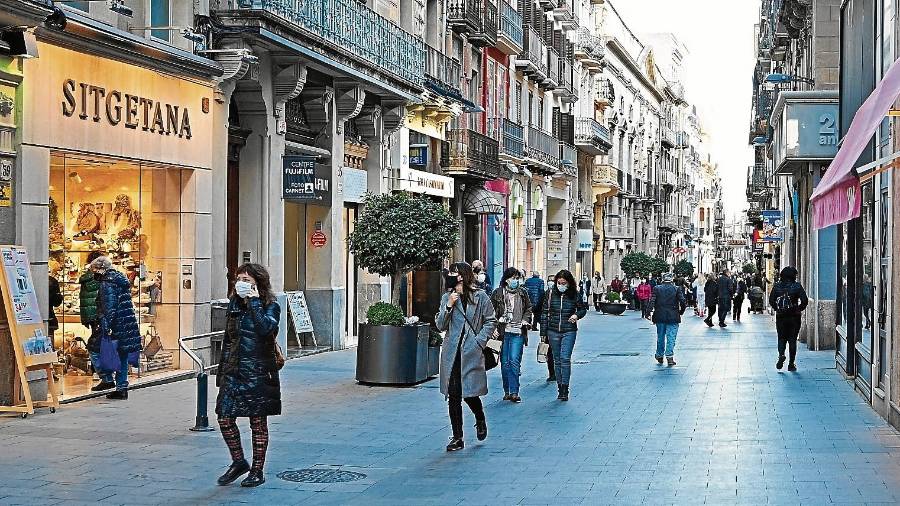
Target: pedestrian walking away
{"points": [[597, 290], [468, 318], [668, 304], [512, 307], [119, 338], [726, 292], [551, 369], [739, 299], [536, 288], [249, 386], [563, 308], [700, 288], [711, 291], [644, 292], [788, 299]]}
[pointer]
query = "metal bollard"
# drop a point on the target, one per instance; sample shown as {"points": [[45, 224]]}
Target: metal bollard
{"points": [[202, 422]]}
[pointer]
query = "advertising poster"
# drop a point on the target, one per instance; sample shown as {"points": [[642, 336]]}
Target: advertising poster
{"points": [[299, 312], [5, 193], [305, 181], [24, 298], [773, 226]]}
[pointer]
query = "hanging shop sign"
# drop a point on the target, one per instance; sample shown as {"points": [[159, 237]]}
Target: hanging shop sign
{"points": [[418, 155], [353, 184], [305, 181], [585, 239], [417, 181], [99, 105], [773, 226]]}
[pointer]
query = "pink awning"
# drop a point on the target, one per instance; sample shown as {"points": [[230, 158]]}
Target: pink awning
{"points": [[837, 197]]}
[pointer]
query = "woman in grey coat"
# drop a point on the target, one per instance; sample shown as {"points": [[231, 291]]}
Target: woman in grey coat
{"points": [[467, 315]]}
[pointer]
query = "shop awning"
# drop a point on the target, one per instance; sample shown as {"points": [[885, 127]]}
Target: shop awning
{"points": [[481, 201], [837, 197]]}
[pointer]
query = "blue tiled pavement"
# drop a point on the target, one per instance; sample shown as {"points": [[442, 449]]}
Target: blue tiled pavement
{"points": [[722, 427]]}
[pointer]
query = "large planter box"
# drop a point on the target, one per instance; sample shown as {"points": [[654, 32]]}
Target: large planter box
{"points": [[392, 355], [434, 361], [613, 309]]}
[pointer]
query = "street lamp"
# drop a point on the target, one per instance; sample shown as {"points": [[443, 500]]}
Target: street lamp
{"points": [[778, 78]]}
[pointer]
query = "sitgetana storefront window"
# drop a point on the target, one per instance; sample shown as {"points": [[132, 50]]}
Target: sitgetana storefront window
{"points": [[130, 212]]}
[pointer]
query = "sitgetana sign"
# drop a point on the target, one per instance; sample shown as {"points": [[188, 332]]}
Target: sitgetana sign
{"points": [[305, 181]]}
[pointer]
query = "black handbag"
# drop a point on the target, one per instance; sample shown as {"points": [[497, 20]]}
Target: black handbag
{"points": [[491, 356]]}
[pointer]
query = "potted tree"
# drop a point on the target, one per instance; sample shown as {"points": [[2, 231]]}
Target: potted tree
{"points": [[395, 234], [684, 269], [613, 304]]}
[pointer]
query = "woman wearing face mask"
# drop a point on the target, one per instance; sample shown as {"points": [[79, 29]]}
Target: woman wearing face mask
{"points": [[248, 375], [482, 280], [467, 316], [513, 310], [559, 325]]}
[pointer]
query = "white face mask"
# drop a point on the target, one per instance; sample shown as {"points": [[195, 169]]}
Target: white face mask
{"points": [[481, 277], [243, 288]]}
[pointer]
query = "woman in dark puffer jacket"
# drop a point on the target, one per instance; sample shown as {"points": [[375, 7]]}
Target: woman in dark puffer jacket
{"points": [[248, 375], [116, 320], [559, 326]]}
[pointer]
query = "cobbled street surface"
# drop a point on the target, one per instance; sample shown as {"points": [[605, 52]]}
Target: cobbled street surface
{"points": [[722, 427]]}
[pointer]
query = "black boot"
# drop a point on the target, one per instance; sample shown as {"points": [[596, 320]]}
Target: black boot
{"points": [[237, 469], [564, 392], [118, 395], [481, 429], [456, 443], [254, 479], [780, 362], [103, 385]]}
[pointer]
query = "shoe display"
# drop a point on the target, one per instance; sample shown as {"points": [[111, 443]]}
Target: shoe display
{"points": [[118, 395], [481, 429], [780, 363], [255, 479], [235, 471], [792, 367], [103, 385], [456, 443]]}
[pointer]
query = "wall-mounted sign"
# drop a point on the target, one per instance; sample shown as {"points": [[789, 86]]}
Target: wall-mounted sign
{"points": [[417, 181], [318, 239], [773, 226], [5, 194], [305, 181], [355, 183], [555, 241], [418, 155], [585, 239]]}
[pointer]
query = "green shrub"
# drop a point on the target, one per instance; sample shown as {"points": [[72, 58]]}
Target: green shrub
{"points": [[383, 313], [613, 296], [749, 269], [684, 269], [434, 338]]}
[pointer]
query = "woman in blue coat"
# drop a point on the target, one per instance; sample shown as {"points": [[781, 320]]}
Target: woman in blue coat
{"points": [[467, 316], [116, 321], [248, 374]]}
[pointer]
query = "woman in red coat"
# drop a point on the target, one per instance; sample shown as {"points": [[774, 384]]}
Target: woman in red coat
{"points": [[644, 291]]}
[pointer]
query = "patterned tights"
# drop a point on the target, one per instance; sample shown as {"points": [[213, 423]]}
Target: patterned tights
{"points": [[232, 435]]}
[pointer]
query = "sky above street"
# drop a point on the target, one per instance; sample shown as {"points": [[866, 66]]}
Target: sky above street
{"points": [[717, 74]]}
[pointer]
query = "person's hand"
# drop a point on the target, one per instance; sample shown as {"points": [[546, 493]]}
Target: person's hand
{"points": [[253, 292], [526, 327], [452, 300], [573, 319]]}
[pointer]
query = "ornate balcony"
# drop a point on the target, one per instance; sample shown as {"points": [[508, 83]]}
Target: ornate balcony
{"points": [[605, 94], [468, 153], [592, 137], [541, 150], [532, 60], [568, 159], [351, 29], [442, 71], [477, 18], [510, 35], [567, 91], [589, 50], [667, 136], [511, 137], [564, 14], [552, 80], [604, 175], [669, 223]]}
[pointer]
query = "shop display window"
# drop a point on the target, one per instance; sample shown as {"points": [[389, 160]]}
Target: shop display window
{"points": [[131, 213]]}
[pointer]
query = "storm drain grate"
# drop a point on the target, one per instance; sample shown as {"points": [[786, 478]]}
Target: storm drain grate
{"points": [[321, 476]]}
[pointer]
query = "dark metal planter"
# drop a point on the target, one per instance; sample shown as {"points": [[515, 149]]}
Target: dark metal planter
{"points": [[434, 361], [613, 309], [389, 355]]}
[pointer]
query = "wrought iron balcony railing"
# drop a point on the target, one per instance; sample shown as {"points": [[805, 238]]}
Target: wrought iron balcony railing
{"points": [[469, 153], [669, 222], [592, 137], [511, 137], [568, 159], [564, 14], [552, 80], [352, 28], [567, 91], [443, 70], [668, 137], [533, 60], [477, 18], [510, 36], [541, 147], [589, 50]]}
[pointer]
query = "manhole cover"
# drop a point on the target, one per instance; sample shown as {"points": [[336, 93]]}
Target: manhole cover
{"points": [[321, 476]]}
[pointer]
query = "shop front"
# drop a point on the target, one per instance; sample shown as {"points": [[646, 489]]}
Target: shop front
{"points": [[121, 155]]}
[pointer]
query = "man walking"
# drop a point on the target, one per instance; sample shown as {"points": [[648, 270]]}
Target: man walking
{"points": [[711, 292], [788, 299], [668, 304], [726, 292]]}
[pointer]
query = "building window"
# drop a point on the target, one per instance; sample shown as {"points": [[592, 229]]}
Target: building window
{"points": [[159, 16]]}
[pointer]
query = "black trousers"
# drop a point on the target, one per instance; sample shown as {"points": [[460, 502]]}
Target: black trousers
{"points": [[738, 305], [723, 312], [455, 400], [788, 328], [710, 312], [597, 297]]}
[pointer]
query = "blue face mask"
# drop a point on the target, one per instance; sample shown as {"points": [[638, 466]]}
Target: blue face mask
{"points": [[562, 288], [513, 283]]}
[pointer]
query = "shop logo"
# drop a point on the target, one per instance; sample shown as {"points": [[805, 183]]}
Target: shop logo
{"points": [[97, 103]]}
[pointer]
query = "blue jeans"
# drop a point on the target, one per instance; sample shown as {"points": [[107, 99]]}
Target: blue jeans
{"points": [[562, 346], [511, 361], [107, 376], [666, 333]]}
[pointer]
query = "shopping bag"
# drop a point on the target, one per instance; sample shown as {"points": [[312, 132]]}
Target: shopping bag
{"points": [[542, 350], [109, 355]]}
